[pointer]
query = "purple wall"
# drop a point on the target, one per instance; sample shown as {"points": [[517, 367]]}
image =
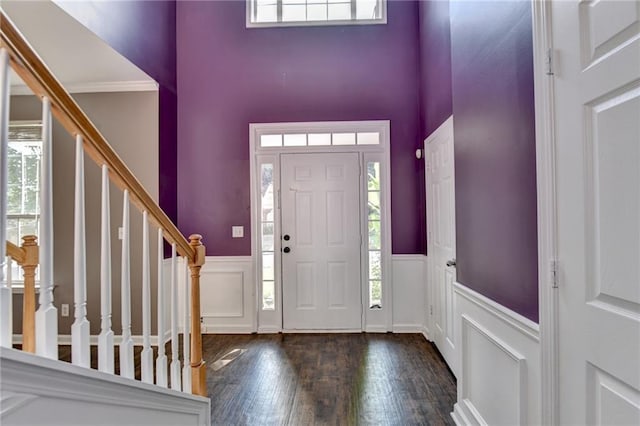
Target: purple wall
{"points": [[145, 33], [435, 65], [230, 76], [495, 156]]}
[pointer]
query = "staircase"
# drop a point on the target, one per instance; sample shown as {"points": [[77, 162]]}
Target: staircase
{"points": [[37, 387]]}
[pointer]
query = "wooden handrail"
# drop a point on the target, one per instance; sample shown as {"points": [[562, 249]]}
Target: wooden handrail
{"points": [[14, 252], [37, 76]]}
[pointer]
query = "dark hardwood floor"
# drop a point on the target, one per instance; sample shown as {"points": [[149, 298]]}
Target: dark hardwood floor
{"points": [[323, 379], [336, 379]]}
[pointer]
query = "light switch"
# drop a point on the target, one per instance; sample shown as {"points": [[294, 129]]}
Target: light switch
{"points": [[237, 231]]}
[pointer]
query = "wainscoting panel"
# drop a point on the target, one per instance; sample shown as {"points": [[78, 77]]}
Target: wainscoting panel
{"points": [[227, 295], [409, 286], [499, 356]]}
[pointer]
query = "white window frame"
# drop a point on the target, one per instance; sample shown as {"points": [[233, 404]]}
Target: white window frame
{"points": [[381, 21], [17, 286], [373, 320]]}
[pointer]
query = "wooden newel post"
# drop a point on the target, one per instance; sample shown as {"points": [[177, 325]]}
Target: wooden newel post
{"points": [[198, 368], [31, 259]]}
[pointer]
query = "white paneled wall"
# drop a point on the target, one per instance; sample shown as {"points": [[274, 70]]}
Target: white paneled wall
{"points": [[499, 358], [408, 293], [227, 295]]}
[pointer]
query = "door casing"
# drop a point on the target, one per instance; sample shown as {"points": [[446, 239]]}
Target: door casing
{"points": [[373, 320]]}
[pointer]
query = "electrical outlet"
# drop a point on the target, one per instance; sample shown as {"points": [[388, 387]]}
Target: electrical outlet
{"points": [[64, 310], [237, 231]]}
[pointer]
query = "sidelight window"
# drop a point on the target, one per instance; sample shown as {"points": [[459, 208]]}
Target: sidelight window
{"points": [[374, 245], [267, 232]]}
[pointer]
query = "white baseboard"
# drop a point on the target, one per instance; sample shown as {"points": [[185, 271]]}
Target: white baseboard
{"points": [[269, 330], [499, 363], [37, 390], [407, 328], [465, 414], [65, 339], [425, 332], [375, 329]]}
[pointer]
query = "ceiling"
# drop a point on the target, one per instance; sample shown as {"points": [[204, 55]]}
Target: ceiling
{"points": [[80, 60]]}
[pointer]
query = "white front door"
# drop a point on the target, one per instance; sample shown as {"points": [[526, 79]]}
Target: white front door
{"points": [[441, 237], [320, 214], [597, 104]]}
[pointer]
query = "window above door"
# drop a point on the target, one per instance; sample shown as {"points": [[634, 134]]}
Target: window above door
{"points": [[294, 13]]}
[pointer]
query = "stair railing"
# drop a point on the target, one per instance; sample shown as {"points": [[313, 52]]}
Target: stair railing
{"points": [[42, 334]]}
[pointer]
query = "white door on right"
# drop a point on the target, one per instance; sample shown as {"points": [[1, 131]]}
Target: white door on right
{"points": [[597, 119], [440, 186]]}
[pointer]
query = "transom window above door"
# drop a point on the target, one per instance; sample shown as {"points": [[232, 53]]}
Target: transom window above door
{"points": [[320, 139], [281, 13]]}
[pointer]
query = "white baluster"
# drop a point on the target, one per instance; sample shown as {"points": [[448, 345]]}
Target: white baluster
{"points": [[105, 340], [126, 345], [80, 350], [5, 289], [47, 314], [175, 354], [186, 357], [147, 352], [161, 361]]}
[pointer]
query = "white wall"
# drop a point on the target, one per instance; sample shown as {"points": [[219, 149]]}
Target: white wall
{"points": [[499, 358]]}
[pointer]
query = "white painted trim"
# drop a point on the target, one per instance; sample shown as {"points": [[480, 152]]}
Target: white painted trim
{"points": [[514, 319], [65, 339], [375, 329], [37, 377], [97, 87], [547, 220], [334, 23], [321, 331], [425, 332], [408, 328], [257, 156]]}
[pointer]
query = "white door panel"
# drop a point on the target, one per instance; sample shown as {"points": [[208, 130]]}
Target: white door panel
{"points": [[321, 215], [597, 104], [441, 244]]}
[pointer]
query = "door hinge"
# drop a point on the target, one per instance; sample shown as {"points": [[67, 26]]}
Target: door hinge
{"points": [[278, 201], [553, 267], [549, 62], [430, 309]]}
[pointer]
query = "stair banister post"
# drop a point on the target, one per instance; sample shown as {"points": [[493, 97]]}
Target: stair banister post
{"points": [[5, 290], [30, 250], [198, 368], [47, 314], [80, 349], [105, 339]]}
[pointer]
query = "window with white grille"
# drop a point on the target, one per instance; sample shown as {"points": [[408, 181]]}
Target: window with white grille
{"points": [[273, 13]]}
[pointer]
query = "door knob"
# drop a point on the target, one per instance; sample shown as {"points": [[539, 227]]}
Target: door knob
{"points": [[451, 262], [286, 250], [286, 237]]}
